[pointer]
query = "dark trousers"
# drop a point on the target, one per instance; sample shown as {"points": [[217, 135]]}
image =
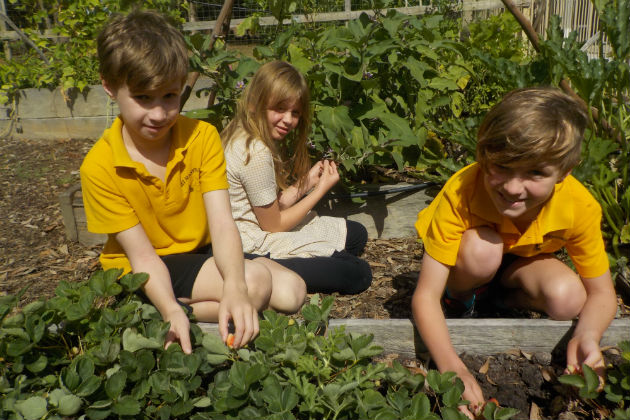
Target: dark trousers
{"points": [[342, 272]]}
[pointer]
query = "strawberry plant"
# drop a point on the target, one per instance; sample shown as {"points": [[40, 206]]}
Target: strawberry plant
{"points": [[616, 389], [95, 351]]}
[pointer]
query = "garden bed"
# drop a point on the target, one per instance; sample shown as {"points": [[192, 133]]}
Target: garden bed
{"points": [[512, 358]]}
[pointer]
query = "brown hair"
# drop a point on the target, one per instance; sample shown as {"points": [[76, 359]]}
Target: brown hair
{"points": [[143, 50], [274, 83], [533, 125]]}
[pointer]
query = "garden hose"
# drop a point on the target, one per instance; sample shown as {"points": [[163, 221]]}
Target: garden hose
{"points": [[414, 187]]}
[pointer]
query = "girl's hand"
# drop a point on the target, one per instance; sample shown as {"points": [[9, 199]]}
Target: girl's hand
{"points": [[329, 176], [314, 174]]}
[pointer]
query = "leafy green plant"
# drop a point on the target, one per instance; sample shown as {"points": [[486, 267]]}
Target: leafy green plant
{"points": [[65, 32], [95, 351], [604, 84], [617, 388], [380, 84]]}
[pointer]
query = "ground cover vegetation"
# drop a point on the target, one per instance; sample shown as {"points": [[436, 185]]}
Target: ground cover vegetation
{"points": [[95, 350], [391, 93]]}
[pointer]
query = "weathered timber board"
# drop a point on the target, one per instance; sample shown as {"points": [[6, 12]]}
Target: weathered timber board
{"points": [[483, 336]]}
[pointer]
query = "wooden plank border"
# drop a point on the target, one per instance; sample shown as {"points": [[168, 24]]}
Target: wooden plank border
{"points": [[482, 336]]}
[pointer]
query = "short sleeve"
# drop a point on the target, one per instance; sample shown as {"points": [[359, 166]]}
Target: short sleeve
{"points": [[258, 176], [586, 244], [444, 230], [106, 208], [213, 172]]}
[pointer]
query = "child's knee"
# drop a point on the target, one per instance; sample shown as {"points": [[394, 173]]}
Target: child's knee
{"points": [[565, 299], [480, 252], [258, 279], [291, 294], [361, 278]]}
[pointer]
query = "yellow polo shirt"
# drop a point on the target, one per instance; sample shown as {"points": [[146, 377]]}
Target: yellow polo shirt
{"points": [[119, 193], [571, 218]]}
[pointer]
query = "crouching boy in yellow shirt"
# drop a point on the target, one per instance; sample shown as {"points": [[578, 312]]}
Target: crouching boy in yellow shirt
{"points": [[500, 220], [156, 184]]}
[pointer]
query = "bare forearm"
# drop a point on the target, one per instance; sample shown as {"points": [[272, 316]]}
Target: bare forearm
{"points": [[290, 196], [600, 306], [158, 288], [228, 255], [292, 216], [597, 314], [432, 327]]}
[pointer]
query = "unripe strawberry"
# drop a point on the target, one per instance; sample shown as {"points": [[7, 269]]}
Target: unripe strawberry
{"points": [[230, 340]]}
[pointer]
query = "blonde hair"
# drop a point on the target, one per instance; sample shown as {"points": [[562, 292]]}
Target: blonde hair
{"points": [[541, 126], [142, 50], [275, 82]]}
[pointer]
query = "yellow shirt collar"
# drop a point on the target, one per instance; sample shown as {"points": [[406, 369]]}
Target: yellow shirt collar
{"points": [[183, 134], [556, 214]]}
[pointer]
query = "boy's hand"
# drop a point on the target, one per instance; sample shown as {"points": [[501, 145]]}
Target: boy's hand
{"points": [[585, 349], [235, 305], [329, 176], [179, 330], [472, 393]]}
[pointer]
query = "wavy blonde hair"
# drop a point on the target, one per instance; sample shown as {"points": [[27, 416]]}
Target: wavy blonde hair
{"points": [[533, 127], [275, 82]]}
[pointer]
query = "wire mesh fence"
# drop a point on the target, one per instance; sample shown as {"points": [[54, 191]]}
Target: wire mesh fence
{"points": [[576, 15]]}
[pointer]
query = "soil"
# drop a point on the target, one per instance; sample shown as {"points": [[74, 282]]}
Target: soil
{"points": [[35, 256]]}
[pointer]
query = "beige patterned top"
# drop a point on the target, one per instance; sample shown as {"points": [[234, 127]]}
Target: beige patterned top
{"points": [[254, 184]]}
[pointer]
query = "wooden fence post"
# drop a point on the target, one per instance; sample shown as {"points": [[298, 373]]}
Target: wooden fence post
{"points": [[3, 28]]}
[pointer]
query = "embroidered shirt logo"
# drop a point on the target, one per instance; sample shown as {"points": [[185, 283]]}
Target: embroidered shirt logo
{"points": [[188, 176]]}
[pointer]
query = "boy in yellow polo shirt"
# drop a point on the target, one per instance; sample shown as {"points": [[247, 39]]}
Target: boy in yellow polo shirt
{"points": [[499, 222], [156, 184]]}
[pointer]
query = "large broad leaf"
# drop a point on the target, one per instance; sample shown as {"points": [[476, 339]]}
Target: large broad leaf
{"points": [[416, 69], [133, 282], [378, 47], [360, 28], [299, 60], [214, 345], [246, 67], [425, 50], [133, 341], [69, 405], [32, 408], [115, 384], [393, 21], [441, 83], [249, 24], [336, 119], [399, 130], [126, 406]]}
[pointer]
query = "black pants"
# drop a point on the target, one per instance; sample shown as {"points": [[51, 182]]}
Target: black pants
{"points": [[342, 272]]}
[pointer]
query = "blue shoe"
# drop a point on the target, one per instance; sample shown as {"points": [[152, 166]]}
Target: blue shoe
{"points": [[455, 308]]}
